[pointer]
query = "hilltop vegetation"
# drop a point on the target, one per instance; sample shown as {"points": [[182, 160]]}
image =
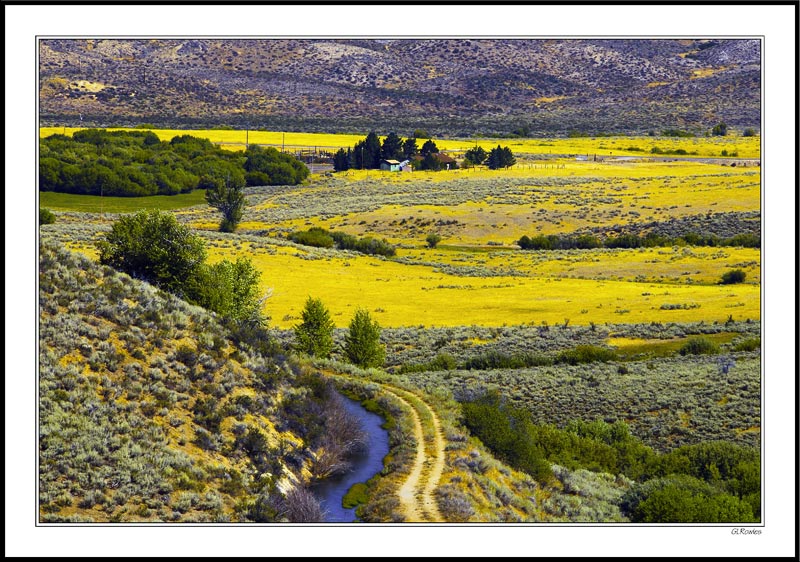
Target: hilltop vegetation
{"points": [[454, 87], [137, 163], [149, 411]]}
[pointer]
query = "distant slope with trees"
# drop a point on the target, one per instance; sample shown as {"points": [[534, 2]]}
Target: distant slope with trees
{"points": [[137, 163]]}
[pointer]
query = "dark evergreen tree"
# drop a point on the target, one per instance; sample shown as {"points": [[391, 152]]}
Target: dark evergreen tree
{"points": [[357, 158], [475, 156], [500, 157], [342, 160], [372, 151], [392, 148], [410, 148], [429, 147]]}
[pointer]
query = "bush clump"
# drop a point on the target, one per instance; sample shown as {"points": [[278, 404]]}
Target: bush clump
{"points": [[699, 345], [46, 216], [586, 354], [321, 238], [733, 276]]}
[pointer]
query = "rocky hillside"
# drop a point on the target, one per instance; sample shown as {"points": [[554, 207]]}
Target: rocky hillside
{"points": [[150, 411], [448, 87]]}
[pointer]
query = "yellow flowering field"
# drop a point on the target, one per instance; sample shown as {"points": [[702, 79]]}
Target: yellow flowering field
{"points": [[552, 198], [399, 294], [477, 275], [745, 147]]}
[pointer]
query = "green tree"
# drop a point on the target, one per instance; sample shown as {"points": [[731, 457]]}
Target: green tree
{"points": [[342, 160], [362, 342], [500, 157], [433, 239], [372, 151], [749, 132], [410, 148], [430, 162], [475, 156], [227, 198], [231, 289], [720, 129], [153, 246], [315, 333], [392, 148], [428, 147], [46, 216]]}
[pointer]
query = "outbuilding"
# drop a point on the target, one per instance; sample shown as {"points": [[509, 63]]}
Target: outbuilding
{"points": [[390, 165]]}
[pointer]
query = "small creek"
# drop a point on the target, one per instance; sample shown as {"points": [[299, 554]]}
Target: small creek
{"points": [[330, 491]]}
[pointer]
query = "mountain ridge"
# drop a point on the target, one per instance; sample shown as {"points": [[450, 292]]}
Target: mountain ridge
{"points": [[450, 86]]}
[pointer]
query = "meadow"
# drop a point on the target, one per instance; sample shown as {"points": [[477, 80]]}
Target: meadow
{"points": [[477, 275], [468, 315]]}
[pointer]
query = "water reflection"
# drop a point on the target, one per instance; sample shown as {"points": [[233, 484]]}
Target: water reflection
{"points": [[331, 490]]}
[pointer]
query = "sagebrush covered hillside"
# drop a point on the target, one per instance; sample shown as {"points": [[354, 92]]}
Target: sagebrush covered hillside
{"points": [[447, 86], [149, 412]]}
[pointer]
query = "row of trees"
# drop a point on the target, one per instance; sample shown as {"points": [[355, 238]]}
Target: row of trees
{"points": [[368, 153], [314, 335], [649, 240], [496, 158], [137, 163]]}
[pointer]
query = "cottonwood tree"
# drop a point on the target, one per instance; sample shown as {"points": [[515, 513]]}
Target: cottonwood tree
{"points": [[227, 197], [153, 246], [231, 289]]}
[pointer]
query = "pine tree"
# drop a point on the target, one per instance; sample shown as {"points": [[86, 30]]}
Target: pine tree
{"points": [[315, 334], [392, 148], [410, 148], [372, 151], [341, 160], [362, 342], [429, 147]]}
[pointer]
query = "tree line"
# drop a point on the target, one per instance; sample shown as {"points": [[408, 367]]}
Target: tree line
{"points": [[649, 240], [138, 163], [368, 153]]}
